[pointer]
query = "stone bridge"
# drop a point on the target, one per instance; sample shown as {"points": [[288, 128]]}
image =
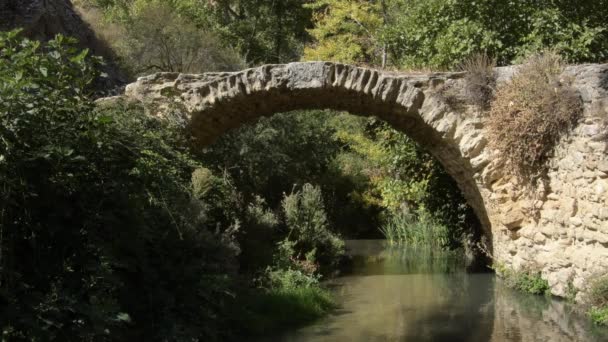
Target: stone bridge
{"points": [[560, 230]]}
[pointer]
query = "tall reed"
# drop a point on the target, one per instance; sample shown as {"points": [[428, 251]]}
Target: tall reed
{"points": [[415, 230]]}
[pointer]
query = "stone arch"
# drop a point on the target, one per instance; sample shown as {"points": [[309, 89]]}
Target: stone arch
{"points": [[210, 104], [562, 229]]}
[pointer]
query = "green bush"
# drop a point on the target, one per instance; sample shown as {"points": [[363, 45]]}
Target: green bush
{"points": [[101, 237], [441, 34], [525, 281], [289, 293], [153, 37], [306, 220], [599, 316]]}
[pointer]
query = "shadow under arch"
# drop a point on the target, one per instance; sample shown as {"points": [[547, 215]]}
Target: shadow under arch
{"points": [[211, 104]]}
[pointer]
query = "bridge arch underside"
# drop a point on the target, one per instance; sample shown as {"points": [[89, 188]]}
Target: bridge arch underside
{"points": [[408, 105]]}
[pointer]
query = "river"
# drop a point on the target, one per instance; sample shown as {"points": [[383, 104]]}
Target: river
{"points": [[399, 294]]}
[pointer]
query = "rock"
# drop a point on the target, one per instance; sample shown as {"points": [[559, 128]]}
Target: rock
{"points": [[558, 281], [603, 166], [539, 238], [513, 218], [577, 222]]}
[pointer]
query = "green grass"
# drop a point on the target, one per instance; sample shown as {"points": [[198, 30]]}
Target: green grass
{"points": [[405, 228], [275, 310]]}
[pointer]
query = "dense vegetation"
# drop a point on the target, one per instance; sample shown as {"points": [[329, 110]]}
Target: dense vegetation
{"points": [[102, 236], [113, 228], [392, 33], [123, 232]]}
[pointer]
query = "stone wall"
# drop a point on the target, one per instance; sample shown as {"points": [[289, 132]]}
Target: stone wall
{"points": [[520, 317], [560, 229]]}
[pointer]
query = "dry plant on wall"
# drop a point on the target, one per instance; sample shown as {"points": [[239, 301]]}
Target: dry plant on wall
{"points": [[530, 114], [480, 79], [480, 84]]}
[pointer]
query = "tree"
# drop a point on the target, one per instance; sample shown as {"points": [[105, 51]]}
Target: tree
{"points": [[264, 31], [346, 31], [440, 34], [101, 236], [153, 36]]}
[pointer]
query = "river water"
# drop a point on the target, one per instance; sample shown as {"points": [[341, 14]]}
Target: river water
{"points": [[399, 294]]}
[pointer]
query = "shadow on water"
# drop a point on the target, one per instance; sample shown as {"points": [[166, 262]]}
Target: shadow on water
{"points": [[396, 294]]}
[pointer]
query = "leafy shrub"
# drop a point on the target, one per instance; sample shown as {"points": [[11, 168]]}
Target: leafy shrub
{"points": [[525, 281], [530, 114], [291, 279], [439, 33], [101, 236], [480, 79], [290, 293], [599, 316], [306, 220], [259, 237], [532, 283], [152, 36]]}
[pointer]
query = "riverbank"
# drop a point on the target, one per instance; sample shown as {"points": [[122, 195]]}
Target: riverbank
{"points": [[411, 295]]}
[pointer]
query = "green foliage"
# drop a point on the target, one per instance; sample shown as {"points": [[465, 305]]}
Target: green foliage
{"points": [[268, 158], [291, 279], [262, 31], [152, 36], [306, 220], [281, 309], [345, 31], [101, 237], [400, 33], [402, 175], [526, 281], [291, 294], [599, 316], [441, 34], [532, 283], [258, 239]]}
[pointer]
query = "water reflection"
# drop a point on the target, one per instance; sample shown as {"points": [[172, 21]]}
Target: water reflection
{"points": [[393, 294]]}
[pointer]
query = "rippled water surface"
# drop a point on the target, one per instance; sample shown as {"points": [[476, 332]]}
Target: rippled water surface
{"points": [[394, 294]]}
